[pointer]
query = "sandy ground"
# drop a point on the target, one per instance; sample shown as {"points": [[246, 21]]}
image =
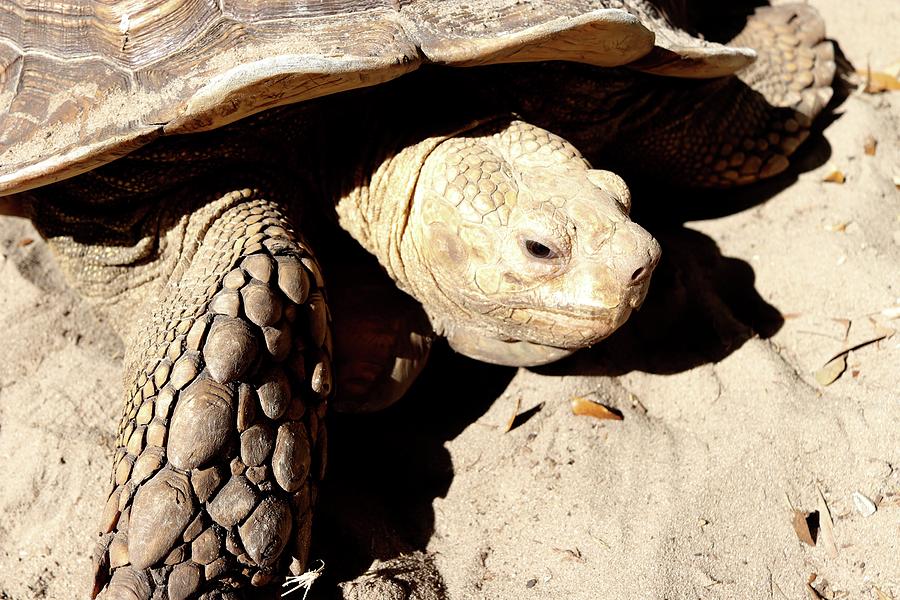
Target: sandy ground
{"points": [[726, 429]]}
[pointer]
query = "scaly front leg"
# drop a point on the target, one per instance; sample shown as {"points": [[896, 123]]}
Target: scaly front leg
{"points": [[222, 441]]}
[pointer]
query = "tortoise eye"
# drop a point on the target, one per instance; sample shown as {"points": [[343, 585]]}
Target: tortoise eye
{"points": [[539, 250]]}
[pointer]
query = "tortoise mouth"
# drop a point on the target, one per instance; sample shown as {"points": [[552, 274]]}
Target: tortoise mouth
{"points": [[627, 301], [576, 328], [576, 332], [548, 334]]}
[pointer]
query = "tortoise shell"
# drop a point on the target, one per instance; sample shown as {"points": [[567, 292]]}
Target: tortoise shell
{"points": [[83, 82]]}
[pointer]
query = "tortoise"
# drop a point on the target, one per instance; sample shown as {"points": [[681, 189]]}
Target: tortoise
{"points": [[441, 135]]}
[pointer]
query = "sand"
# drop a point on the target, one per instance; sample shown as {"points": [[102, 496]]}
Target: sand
{"points": [[726, 430]]}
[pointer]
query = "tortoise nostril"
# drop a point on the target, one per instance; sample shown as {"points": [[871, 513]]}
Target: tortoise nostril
{"points": [[638, 274]]}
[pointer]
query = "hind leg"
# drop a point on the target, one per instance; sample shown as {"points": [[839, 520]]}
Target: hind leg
{"points": [[696, 133], [742, 129], [795, 64]]}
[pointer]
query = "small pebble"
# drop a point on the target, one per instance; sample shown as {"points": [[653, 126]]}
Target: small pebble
{"points": [[863, 505], [833, 174], [870, 145]]}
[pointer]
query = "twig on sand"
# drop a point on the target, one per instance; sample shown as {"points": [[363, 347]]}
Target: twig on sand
{"points": [[826, 527], [304, 581]]}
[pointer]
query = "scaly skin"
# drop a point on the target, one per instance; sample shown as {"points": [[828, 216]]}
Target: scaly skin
{"points": [[227, 370], [222, 441]]}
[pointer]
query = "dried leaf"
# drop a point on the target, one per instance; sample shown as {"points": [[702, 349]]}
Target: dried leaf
{"points": [[890, 499], [589, 408], [801, 528], [637, 404], [812, 594], [25, 242], [879, 335], [878, 82], [833, 175], [893, 70], [884, 331], [880, 595], [570, 554], [892, 312], [838, 227], [846, 323], [833, 369], [512, 417], [826, 527], [870, 145], [836, 366]]}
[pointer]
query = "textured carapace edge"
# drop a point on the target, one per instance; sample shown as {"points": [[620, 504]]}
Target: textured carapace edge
{"points": [[65, 111]]}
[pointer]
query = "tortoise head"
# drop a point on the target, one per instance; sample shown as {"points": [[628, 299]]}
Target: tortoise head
{"points": [[523, 253]]}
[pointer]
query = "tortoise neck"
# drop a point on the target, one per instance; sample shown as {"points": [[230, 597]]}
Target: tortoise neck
{"points": [[375, 205]]}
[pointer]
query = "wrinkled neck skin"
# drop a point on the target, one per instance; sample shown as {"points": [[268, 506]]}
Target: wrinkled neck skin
{"points": [[376, 206], [375, 203]]}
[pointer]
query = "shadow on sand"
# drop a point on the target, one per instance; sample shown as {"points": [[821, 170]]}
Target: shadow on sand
{"points": [[386, 469]]}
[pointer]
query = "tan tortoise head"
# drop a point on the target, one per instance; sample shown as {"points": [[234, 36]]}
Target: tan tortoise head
{"points": [[519, 251]]}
